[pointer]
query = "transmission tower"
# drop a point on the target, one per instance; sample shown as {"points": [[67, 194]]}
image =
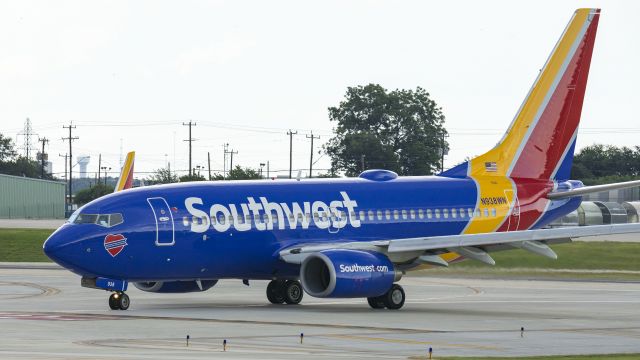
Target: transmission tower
{"points": [[27, 133]]}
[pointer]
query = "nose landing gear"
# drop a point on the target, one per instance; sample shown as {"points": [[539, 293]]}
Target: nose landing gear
{"points": [[119, 301]]}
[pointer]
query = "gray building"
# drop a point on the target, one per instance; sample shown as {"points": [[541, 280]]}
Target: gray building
{"points": [[27, 198]]}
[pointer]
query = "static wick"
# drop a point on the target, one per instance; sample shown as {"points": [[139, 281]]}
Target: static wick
{"points": [[301, 337], [224, 345]]}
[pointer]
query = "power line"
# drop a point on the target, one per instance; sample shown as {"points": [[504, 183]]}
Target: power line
{"points": [[190, 140], [291, 133], [311, 136]]}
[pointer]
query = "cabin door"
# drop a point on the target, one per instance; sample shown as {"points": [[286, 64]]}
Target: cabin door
{"points": [[165, 233], [514, 217]]}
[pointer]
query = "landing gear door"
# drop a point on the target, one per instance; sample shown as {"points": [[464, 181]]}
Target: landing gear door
{"points": [[164, 221]]}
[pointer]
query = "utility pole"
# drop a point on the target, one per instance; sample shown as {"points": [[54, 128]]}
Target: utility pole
{"points": [[268, 169], [209, 164], [362, 162], [311, 158], [70, 139], [190, 140], [99, 166], [224, 161], [291, 133], [43, 140], [231, 162], [65, 175], [444, 135]]}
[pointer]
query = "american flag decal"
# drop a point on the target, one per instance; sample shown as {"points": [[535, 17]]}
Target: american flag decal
{"points": [[491, 166]]}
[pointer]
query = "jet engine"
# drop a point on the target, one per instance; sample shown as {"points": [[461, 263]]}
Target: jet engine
{"points": [[176, 286], [343, 273]]}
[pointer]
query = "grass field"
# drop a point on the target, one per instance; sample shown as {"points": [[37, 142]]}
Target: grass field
{"points": [[567, 357], [564, 357], [23, 245]]}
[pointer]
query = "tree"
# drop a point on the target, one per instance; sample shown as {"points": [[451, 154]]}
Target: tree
{"points": [[84, 196], [162, 176], [192, 177], [600, 164], [239, 173], [7, 149], [400, 130]]}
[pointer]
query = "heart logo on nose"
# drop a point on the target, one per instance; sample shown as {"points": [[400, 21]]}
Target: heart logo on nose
{"points": [[114, 244]]}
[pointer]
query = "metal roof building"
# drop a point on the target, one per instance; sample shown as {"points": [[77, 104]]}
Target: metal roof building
{"points": [[27, 198]]}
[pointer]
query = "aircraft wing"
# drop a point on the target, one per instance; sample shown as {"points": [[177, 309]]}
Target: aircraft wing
{"points": [[474, 246]]}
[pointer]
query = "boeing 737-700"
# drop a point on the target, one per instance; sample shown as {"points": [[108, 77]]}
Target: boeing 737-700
{"points": [[349, 237]]}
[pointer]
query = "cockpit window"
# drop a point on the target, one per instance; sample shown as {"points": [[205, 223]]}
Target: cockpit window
{"points": [[104, 220]]}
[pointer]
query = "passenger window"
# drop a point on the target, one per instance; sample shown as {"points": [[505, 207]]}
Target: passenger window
{"points": [[486, 212], [379, 214], [429, 215], [185, 221], [248, 219], [454, 213], [461, 212], [395, 214], [493, 212], [421, 213], [412, 213], [316, 217], [404, 214], [445, 213], [213, 220], [478, 213], [221, 220], [370, 214], [256, 218], [437, 212], [470, 212], [361, 215], [387, 214]]}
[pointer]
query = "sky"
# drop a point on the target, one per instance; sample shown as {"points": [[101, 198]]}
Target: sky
{"points": [[128, 74]]}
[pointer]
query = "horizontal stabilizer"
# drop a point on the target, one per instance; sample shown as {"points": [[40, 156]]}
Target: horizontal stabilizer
{"points": [[592, 189]]}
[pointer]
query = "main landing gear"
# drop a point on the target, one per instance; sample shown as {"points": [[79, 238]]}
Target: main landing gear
{"points": [[119, 301], [392, 299], [284, 291]]}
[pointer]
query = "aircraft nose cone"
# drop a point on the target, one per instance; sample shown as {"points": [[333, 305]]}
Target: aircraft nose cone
{"points": [[53, 246]]}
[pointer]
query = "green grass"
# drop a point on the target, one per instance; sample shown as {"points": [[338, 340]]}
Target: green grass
{"points": [[558, 357], [23, 245], [577, 255]]}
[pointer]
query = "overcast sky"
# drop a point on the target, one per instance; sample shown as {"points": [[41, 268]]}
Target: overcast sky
{"points": [[246, 72]]}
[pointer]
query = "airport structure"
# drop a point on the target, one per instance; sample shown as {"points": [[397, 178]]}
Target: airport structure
{"points": [[28, 198]]}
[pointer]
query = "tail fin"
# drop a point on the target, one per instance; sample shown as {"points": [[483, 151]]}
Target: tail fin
{"points": [[126, 174], [540, 141]]}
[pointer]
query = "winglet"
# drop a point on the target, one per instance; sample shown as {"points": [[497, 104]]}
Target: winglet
{"points": [[126, 174]]}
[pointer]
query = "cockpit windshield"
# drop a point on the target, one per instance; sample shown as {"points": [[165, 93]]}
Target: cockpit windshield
{"points": [[104, 220]]}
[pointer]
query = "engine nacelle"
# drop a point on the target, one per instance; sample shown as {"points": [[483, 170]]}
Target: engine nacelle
{"points": [[343, 273], [175, 286]]}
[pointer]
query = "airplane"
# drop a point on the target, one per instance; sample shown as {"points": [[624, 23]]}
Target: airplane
{"points": [[349, 237]]}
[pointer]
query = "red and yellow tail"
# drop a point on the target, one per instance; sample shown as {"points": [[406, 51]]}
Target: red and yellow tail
{"points": [[540, 141], [126, 174], [538, 146]]}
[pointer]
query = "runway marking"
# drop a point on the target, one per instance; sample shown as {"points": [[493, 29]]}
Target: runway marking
{"points": [[50, 317], [44, 290]]}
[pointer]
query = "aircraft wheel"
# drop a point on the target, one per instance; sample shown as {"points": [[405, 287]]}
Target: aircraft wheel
{"points": [[113, 302], [376, 302], [123, 301], [293, 292], [394, 298], [275, 291]]}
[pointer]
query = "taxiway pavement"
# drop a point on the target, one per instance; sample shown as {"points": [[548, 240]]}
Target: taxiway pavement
{"points": [[44, 313]]}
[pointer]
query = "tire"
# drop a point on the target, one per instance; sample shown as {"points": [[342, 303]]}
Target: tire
{"points": [[123, 301], [376, 302], [394, 298], [275, 293], [293, 292], [113, 302]]}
